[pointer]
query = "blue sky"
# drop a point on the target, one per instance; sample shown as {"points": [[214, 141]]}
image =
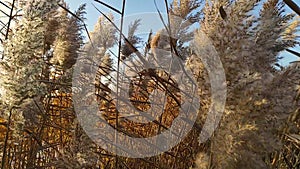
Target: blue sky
{"points": [[139, 7], [132, 7]]}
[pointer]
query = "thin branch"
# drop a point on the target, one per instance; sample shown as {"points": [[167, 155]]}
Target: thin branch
{"points": [[10, 18], [4, 13], [293, 6], [293, 52], [4, 4], [110, 7], [161, 18]]}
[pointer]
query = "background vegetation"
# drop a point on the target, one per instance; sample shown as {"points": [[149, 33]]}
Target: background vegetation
{"points": [[260, 127]]}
